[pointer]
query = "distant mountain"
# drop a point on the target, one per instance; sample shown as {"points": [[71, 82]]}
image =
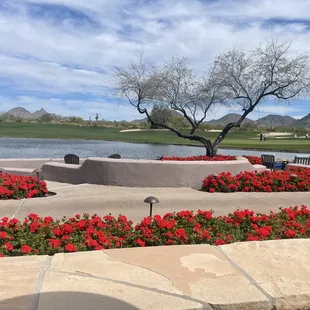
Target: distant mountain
{"points": [[229, 118], [273, 120], [303, 122], [25, 114], [19, 112], [39, 113]]}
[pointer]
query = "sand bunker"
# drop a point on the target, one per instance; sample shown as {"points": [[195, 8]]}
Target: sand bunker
{"points": [[130, 130]]}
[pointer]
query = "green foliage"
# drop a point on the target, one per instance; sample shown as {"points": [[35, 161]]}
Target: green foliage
{"points": [[161, 115], [46, 118], [75, 119]]}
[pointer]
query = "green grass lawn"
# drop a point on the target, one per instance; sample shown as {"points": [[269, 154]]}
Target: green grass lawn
{"points": [[241, 139]]}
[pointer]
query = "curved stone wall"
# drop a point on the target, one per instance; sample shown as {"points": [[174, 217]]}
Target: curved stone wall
{"points": [[142, 173]]}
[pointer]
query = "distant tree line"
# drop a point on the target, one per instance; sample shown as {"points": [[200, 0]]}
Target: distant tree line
{"points": [[159, 114]]}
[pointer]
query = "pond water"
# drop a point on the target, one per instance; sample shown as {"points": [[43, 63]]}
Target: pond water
{"points": [[57, 148]]}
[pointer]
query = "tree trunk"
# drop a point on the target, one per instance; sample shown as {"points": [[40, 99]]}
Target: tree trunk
{"points": [[210, 149], [193, 131], [213, 151]]}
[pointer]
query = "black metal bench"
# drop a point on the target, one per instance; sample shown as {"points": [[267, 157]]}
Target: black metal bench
{"points": [[72, 159], [302, 160], [117, 156]]}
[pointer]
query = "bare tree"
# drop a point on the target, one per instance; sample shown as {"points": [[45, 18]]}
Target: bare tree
{"points": [[235, 79], [175, 87], [247, 80]]}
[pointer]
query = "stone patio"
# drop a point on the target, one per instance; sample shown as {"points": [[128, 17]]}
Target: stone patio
{"points": [[102, 200], [268, 275], [265, 275]]}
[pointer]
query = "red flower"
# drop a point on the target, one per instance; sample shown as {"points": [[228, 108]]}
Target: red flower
{"points": [[265, 181], [180, 233], [140, 242], [219, 242], [17, 187], [147, 221], [205, 235], [33, 216], [48, 219], [57, 232], [26, 249], [252, 238], [54, 243], [92, 243], [264, 231], [290, 233], [206, 214], [9, 246], [197, 227], [200, 158], [254, 160], [13, 222], [184, 227], [3, 235], [34, 226], [70, 247]]}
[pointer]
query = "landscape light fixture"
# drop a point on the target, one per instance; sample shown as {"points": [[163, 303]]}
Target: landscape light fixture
{"points": [[151, 200], [37, 173]]}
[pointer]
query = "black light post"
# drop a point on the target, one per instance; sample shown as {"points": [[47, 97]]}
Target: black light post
{"points": [[151, 200]]}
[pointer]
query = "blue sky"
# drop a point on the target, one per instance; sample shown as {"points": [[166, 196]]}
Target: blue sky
{"points": [[61, 57]]}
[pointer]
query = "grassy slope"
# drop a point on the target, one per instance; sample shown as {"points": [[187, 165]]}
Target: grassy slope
{"points": [[243, 140]]}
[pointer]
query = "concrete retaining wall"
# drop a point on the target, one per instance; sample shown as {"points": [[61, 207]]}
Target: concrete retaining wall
{"points": [[142, 173], [292, 166]]}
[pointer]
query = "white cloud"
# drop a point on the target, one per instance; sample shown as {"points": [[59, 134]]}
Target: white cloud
{"points": [[39, 55], [51, 77], [83, 108]]}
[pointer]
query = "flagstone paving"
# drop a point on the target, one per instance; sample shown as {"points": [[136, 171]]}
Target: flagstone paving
{"points": [[268, 275]]}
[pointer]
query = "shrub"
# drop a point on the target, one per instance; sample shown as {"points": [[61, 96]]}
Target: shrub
{"points": [[36, 235], [254, 160], [17, 187], [200, 158], [265, 181]]}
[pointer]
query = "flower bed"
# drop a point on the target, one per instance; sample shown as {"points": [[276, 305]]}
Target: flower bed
{"points": [[83, 233], [17, 187], [254, 160], [265, 181], [200, 158]]}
